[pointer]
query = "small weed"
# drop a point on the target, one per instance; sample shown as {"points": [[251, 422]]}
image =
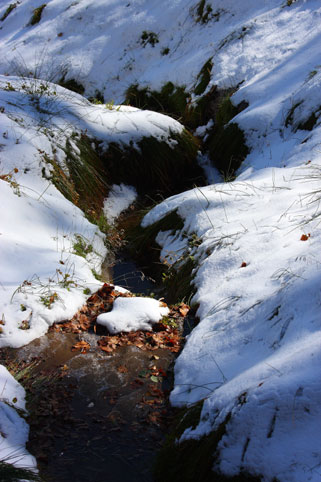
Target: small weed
{"points": [[49, 299], [9, 87], [9, 178], [81, 246], [97, 276], [98, 98], [11, 7], [148, 38], [165, 51], [36, 17], [102, 223], [312, 74], [86, 291]]}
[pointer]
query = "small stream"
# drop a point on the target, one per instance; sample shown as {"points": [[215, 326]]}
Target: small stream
{"points": [[98, 417]]}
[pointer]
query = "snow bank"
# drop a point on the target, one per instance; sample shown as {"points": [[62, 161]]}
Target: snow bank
{"points": [[132, 314], [49, 251], [13, 429]]}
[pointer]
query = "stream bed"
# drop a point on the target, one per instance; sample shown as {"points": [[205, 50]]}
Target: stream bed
{"points": [[97, 416]]}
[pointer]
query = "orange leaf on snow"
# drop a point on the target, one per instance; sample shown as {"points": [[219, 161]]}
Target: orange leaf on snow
{"points": [[305, 237]]}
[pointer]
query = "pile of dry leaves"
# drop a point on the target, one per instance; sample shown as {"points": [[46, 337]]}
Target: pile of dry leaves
{"points": [[165, 334]]}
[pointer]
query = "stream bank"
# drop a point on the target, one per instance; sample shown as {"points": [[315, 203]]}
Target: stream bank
{"points": [[98, 404]]}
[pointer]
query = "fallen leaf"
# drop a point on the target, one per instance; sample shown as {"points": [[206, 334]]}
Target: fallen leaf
{"points": [[183, 309], [82, 345], [154, 379], [305, 237]]}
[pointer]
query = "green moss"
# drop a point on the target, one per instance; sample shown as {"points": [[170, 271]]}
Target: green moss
{"points": [[88, 176], [226, 141], [178, 280], [85, 183], [149, 38], [9, 473], [142, 243], [204, 77], [227, 149], [226, 111], [11, 7], [81, 246], [36, 16], [192, 460], [72, 85], [154, 166], [309, 124], [170, 100], [289, 117], [165, 51]]}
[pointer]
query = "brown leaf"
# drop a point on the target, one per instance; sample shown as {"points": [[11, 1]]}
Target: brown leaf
{"points": [[305, 237], [82, 345], [184, 309]]}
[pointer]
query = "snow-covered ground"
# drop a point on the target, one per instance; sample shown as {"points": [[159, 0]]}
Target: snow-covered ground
{"points": [[13, 428], [255, 355]]}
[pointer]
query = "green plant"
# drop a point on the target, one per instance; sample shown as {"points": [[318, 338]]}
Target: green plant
{"points": [[97, 276], [36, 16], [10, 473], [154, 166], [81, 246], [204, 77], [165, 51], [312, 74], [48, 299], [102, 223], [11, 7], [72, 84], [148, 38]]}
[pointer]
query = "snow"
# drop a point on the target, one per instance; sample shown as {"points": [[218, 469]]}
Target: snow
{"points": [[42, 278], [255, 354], [120, 198], [132, 314], [13, 428]]}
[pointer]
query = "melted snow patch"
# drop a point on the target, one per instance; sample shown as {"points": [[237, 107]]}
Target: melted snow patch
{"points": [[131, 314]]}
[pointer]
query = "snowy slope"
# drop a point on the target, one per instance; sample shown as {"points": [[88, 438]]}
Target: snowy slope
{"points": [[42, 278], [255, 355]]}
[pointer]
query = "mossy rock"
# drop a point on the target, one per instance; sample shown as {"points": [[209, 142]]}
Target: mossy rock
{"points": [[155, 166]]}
